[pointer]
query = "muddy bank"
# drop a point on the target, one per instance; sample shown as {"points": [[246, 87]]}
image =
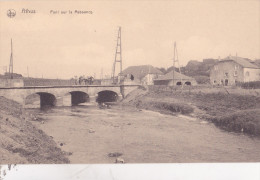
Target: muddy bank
{"points": [[230, 111], [21, 142]]}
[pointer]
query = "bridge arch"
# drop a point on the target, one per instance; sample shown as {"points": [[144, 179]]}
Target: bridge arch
{"points": [[41, 99], [107, 96], [188, 83], [179, 83], [78, 97]]}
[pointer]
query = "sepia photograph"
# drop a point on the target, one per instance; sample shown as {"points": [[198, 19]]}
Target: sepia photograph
{"points": [[99, 86]]}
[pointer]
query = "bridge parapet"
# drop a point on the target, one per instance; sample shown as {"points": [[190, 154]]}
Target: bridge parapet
{"points": [[63, 94]]}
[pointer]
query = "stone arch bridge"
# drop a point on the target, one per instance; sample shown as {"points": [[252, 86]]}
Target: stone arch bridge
{"points": [[68, 95]]}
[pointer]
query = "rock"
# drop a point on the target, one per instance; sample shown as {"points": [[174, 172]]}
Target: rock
{"points": [[120, 160], [91, 131], [61, 144], [42, 122], [7, 119], [115, 154]]}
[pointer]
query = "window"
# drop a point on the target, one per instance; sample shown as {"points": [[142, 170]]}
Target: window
{"points": [[226, 74], [247, 73], [235, 73]]}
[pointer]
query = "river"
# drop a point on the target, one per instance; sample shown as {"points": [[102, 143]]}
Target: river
{"points": [[89, 134]]}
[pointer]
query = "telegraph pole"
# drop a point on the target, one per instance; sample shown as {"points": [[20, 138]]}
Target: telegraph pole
{"points": [[173, 66], [118, 55], [175, 59], [27, 72], [11, 68]]}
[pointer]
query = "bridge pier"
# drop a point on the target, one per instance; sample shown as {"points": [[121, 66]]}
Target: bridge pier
{"points": [[92, 98], [67, 100], [59, 101], [119, 97]]}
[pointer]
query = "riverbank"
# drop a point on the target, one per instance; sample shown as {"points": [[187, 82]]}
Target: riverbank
{"points": [[101, 135], [21, 142], [234, 110]]}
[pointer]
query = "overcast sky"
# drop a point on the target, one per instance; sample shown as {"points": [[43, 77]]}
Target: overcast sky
{"points": [[62, 46]]}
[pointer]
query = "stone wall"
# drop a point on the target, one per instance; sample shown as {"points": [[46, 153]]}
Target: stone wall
{"points": [[11, 83]]}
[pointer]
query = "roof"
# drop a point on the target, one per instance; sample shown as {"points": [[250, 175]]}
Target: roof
{"points": [[246, 63], [177, 75], [141, 71]]}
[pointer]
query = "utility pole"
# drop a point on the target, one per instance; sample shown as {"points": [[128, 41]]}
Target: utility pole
{"points": [[118, 55], [11, 68], [27, 72], [175, 59], [101, 74]]}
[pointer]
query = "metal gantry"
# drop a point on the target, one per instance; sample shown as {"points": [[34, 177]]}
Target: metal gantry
{"points": [[118, 55], [11, 67], [175, 60]]}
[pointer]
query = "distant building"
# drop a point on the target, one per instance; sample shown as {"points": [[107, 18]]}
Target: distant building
{"points": [[179, 79], [234, 69], [144, 74]]}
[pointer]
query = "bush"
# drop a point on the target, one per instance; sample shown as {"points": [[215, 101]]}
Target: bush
{"points": [[202, 79], [173, 107], [247, 121], [250, 85]]}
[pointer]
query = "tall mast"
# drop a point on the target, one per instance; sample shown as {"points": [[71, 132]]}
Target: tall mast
{"points": [[173, 66], [11, 68], [27, 72], [118, 55], [175, 59]]}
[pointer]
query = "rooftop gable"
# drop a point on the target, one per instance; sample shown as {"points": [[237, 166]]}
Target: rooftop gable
{"points": [[246, 63], [141, 71], [177, 76]]}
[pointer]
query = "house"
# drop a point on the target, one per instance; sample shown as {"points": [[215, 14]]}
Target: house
{"points": [[179, 79], [144, 74], [234, 69]]}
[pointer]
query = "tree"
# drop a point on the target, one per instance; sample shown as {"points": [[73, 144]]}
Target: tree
{"points": [[163, 70]]}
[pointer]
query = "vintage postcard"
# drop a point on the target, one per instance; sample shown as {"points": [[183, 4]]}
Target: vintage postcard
{"points": [[129, 82]]}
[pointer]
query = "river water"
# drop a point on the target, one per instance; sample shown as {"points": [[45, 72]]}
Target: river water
{"points": [[141, 136]]}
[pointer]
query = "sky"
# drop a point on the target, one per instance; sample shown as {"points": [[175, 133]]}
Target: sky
{"points": [[68, 45]]}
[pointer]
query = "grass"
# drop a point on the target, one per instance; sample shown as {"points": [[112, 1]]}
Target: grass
{"points": [[232, 109], [173, 107], [247, 121]]}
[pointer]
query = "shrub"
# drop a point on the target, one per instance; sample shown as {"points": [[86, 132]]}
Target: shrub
{"points": [[250, 85], [202, 79]]}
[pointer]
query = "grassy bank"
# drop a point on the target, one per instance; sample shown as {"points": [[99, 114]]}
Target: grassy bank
{"points": [[232, 110], [21, 142], [141, 99]]}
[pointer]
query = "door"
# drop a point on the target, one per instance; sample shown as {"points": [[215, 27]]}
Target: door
{"points": [[226, 82]]}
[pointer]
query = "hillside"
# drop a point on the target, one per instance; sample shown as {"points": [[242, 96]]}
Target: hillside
{"points": [[21, 142]]}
